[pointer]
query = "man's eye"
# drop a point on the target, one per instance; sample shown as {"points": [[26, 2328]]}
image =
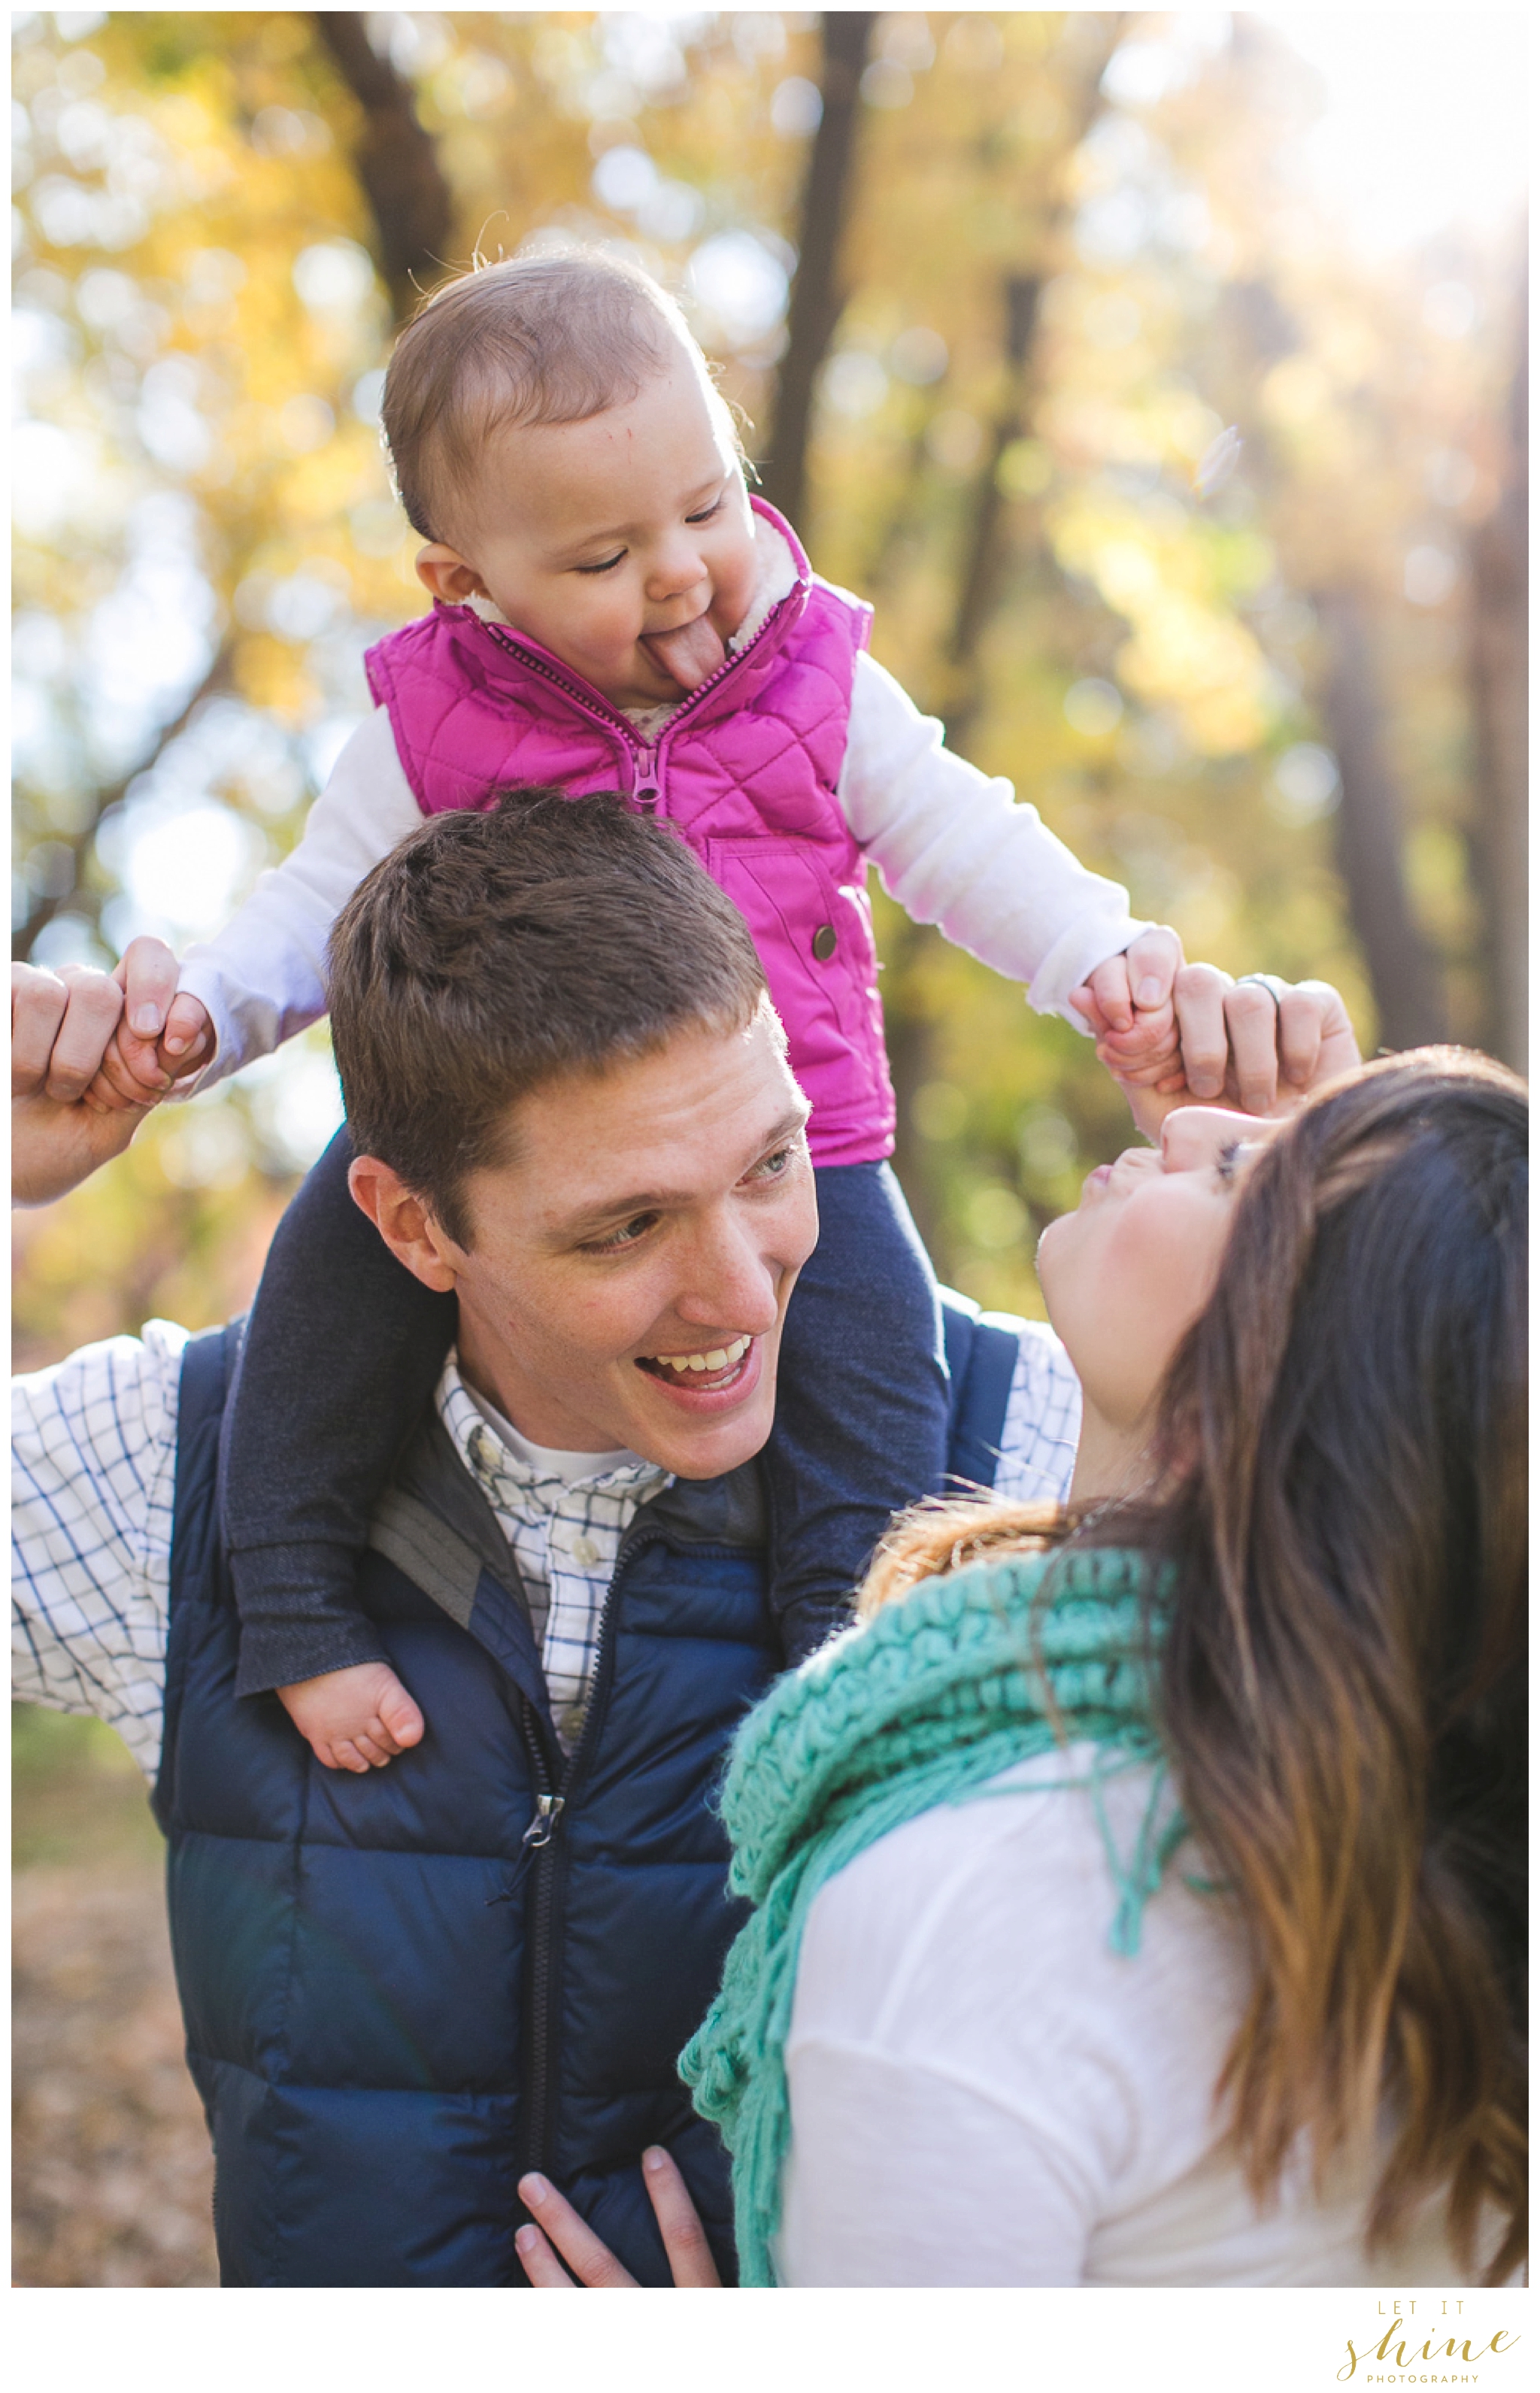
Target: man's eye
{"points": [[626, 1235], [773, 1167], [608, 567]]}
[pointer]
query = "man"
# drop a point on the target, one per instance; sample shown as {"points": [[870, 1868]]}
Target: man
{"points": [[406, 1988]]}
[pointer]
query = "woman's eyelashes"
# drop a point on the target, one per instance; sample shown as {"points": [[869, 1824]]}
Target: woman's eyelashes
{"points": [[1226, 1160]]}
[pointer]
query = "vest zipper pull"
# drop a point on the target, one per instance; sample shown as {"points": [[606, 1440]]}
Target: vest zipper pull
{"points": [[541, 1828]]}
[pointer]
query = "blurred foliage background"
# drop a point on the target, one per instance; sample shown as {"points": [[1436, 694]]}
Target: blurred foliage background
{"points": [[1191, 501], [1189, 483]]}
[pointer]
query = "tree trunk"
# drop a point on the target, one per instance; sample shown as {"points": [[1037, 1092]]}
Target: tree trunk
{"points": [[1402, 972], [982, 571], [818, 298], [981, 574], [396, 164], [1499, 706], [911, 1042]]}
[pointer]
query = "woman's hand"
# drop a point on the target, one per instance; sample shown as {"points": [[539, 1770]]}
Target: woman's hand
{"points": [[683, 2237], [1258, 1048]]}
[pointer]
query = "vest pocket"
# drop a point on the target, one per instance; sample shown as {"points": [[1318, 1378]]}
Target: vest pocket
{"points": [[815, 940]]}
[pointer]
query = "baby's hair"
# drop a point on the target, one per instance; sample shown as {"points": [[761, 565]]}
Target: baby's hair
{"points": [[527, 341]]}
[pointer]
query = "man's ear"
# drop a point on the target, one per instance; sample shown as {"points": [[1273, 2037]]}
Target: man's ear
{"points": [[447, 574], [404, 1223]]}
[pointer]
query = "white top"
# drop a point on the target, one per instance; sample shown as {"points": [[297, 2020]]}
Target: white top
{"points": [[94, 1470], [952, 846], [983, 2093]]}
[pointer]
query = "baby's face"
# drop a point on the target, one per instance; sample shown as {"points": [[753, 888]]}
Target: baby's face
{"points": [[623, 543]]}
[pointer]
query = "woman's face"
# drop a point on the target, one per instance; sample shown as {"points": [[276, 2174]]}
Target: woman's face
{"points": [[1129, 1272]]}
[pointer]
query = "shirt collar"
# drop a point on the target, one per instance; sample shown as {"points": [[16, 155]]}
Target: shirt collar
{"points": [[489, 1460]]}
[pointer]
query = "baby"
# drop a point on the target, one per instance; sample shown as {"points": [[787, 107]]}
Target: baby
{"points": [[612, 610]]}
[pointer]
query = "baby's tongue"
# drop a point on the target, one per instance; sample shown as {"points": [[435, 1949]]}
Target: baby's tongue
{"points": [[690, 655]]}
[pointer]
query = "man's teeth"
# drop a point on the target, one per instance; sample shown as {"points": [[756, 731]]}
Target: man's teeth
{"points": [[716, 1360]]}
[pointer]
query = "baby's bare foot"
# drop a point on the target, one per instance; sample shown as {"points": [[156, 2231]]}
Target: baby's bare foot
{"points": [[355, 1719]]}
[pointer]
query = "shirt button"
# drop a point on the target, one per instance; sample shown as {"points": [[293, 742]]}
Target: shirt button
{"points": [[585, 1550], [825, 938], [572, 1722]]}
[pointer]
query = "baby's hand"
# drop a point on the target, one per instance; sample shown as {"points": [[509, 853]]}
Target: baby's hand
{"points": [[354, 1719], [1128, 1004], [1139, 981], [159, 1037]]}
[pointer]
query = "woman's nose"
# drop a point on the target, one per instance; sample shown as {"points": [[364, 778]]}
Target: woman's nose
{"points": [[1194, 1135]]}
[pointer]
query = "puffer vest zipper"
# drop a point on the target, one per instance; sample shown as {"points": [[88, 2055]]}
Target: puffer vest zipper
{"points": [[388, 2018], [402, 1991]]}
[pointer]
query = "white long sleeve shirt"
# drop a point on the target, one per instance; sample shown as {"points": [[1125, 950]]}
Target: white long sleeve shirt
{"points": [[983, 2093], [951, 843]]}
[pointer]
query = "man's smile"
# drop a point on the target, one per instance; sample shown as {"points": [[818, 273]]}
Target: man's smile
{"points": [[714, 1360], [710, 1377]]}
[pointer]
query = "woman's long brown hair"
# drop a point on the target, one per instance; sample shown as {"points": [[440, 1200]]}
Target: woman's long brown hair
{"points": [[1341, 1452]]}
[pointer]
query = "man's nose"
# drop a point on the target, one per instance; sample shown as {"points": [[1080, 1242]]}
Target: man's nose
{"points": [[729, 1282]]}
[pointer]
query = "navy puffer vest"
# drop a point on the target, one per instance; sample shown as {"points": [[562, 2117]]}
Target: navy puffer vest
{"points": [[402, 1991]]}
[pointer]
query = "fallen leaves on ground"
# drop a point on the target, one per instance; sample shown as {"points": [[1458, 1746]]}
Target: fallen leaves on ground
{"points": [[112, 2174]]}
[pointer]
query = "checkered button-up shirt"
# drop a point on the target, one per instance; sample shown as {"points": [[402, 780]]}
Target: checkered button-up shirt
{"points": [[566, 1534], [1042, 1427], [94, 1458]]}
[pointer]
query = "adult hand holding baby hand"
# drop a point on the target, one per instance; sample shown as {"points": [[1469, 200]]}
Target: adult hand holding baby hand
{"points": [[82, 1079], [1171, 1032], [159, 1037], [60, 1023], [1259, 1046]]}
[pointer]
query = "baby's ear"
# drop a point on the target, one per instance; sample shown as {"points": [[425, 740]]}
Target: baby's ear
{"points": [[446, 573]]}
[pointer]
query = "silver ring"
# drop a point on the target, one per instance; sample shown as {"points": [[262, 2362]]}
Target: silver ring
{"points": [[1270, 981]]}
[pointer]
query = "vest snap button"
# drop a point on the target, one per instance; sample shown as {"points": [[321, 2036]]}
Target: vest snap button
{"points": [[825, 938]]}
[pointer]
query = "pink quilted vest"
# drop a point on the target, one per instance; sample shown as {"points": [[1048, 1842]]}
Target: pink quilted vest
{"points": [[746, 768]]}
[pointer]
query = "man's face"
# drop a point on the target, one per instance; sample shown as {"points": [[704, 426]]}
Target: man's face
{"points": [[661, 1209]]}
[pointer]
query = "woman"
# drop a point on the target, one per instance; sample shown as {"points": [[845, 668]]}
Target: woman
{"points": [[1223, 1984]]}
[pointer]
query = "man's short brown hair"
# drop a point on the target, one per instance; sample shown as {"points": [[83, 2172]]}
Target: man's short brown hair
{"points": [[530, 340], [488, 953]]}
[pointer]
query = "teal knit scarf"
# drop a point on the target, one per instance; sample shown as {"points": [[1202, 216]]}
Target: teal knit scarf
{"points": [[942, 1689]]}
